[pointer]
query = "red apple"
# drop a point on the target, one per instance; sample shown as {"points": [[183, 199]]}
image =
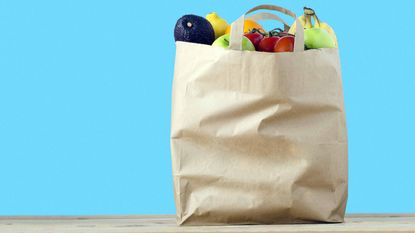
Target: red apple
{"points": [[255, 38], [267, 44]]}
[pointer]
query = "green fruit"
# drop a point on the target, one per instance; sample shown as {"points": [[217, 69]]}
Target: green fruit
{"points": [[315, 38], [223, 42], [195, 29]]}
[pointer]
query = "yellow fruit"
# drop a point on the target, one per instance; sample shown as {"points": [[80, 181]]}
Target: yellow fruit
{"points": [[248, 26], [219, 25], [328, 28], [305, 20]]}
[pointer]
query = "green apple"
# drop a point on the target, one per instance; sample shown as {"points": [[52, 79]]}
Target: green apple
{"points": [[315, 38], [223, 42]]}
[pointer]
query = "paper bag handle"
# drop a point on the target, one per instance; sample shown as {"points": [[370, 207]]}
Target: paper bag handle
{"points": [[264, 16], [237, 27], [273, 8]]}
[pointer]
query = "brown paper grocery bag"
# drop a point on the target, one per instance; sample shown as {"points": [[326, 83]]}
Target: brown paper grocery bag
{"points": [[258, 138]]}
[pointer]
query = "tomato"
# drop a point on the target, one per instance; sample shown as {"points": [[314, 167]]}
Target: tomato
{"points": [[255, 38], [285, 44], [267, 44]]}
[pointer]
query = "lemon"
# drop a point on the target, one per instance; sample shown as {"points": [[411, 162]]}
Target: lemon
{"points": [[219, 25]]}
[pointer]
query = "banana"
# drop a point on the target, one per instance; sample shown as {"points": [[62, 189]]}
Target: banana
{"points": [[327, 27], [305, 20]]}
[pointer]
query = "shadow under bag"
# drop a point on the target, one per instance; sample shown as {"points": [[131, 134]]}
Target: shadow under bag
{"points": [[258, 138]]}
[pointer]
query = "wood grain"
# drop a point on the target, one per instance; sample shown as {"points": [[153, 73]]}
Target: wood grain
{"points": [[166, 223]]}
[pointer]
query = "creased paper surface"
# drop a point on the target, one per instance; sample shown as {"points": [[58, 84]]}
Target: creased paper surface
{"points": [[258, 138]]}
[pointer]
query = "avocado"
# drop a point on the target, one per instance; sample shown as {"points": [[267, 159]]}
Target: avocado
{"points": [[195, 29]]}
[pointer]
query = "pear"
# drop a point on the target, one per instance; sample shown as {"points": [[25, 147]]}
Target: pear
{"points": [[316, 38], [219, 25]]}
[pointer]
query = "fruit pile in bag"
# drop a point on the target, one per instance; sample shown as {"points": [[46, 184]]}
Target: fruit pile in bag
{"points": [[214, 30]]}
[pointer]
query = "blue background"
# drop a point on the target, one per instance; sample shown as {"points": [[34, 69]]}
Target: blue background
{"points": [[85, 91]]}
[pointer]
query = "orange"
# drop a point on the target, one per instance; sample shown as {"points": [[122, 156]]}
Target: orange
{"points": [[248, 26]]}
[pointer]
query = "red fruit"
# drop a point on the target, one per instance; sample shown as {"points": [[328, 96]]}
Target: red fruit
{"points": [[285, 44], [267, 44], [255, 38]]}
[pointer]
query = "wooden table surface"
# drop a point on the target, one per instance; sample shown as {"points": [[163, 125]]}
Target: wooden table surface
{"points": [[166, 223]]}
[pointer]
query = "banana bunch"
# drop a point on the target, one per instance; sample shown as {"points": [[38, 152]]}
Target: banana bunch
{"points": [[305, 20]]}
